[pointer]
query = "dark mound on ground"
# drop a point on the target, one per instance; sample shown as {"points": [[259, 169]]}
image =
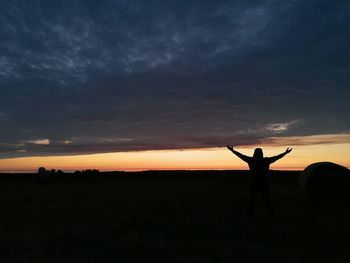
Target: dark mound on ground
{"points": [[325, 183]]}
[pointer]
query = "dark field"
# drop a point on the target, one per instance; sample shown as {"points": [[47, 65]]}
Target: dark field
{"points": [[165, 217]]}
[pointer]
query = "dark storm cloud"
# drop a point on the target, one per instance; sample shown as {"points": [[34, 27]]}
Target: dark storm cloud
{"points": [[99, 76]]}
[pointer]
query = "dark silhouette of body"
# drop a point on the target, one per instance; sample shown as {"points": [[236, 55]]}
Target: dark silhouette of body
{"points": [[259, 167]]}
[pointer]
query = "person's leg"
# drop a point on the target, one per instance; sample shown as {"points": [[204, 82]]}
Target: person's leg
{"points": [[252, 197], [265, 194]]}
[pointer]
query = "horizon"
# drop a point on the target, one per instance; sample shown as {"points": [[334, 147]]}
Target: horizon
{"points": [[163, 85], [182, 159]]}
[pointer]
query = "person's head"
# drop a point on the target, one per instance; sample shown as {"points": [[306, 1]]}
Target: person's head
{"points": [[258, 153]]}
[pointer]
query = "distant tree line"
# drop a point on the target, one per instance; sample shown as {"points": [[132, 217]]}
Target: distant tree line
{"points": [[88, 172], [44, 173], [44, 176]]}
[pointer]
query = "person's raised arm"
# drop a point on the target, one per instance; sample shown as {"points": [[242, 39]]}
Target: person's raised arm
{"points": [[238, 154], [281, 155]]}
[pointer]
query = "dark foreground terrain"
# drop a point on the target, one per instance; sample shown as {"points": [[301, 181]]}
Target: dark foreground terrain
{"points": [[164, 217]]}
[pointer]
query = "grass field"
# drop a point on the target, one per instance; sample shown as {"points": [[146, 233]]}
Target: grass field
{"points": [[177, 216]]}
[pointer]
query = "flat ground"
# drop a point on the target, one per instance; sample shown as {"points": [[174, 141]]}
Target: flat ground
{"points": [[164, 217]]}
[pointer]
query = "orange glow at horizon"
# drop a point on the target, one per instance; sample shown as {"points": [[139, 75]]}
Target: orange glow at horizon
{"points": [[192, 159]]}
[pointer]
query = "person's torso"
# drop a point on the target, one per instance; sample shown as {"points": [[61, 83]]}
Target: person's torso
{"points": [[259, 168]]}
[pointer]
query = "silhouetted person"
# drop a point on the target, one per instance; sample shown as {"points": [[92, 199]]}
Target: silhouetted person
{"points": [[259, 168]]}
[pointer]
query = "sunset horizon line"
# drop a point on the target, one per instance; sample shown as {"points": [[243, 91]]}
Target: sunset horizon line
{"points": [[215, 158]]}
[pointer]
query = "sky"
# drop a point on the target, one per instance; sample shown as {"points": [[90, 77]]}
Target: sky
{"points": [[123, 84]]}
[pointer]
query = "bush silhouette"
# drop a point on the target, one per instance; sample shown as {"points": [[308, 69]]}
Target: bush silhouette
{"points": [[43, 176]]}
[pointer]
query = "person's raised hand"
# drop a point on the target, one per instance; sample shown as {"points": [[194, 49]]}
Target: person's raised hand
{"points": [[289, 150], [230, 147]]}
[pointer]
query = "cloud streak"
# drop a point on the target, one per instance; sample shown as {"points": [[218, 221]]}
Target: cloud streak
{"points": [[308, 140]]}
